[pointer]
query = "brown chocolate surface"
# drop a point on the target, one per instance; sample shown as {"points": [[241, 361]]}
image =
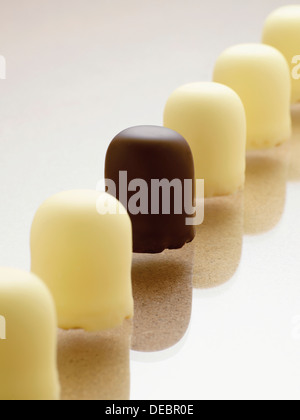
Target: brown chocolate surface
{"points": [[153, 153]]}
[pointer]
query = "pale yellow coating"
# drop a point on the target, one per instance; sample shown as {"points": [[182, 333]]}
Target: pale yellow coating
{"points": [[81, 246], [282, 31], [28, 368], [260, 75], [211, 117]]}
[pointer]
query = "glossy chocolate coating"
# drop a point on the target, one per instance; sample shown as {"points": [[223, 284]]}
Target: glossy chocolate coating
{"points": [[153, 153]]}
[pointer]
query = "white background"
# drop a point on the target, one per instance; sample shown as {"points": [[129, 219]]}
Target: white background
{"points": [[80, 71]]}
